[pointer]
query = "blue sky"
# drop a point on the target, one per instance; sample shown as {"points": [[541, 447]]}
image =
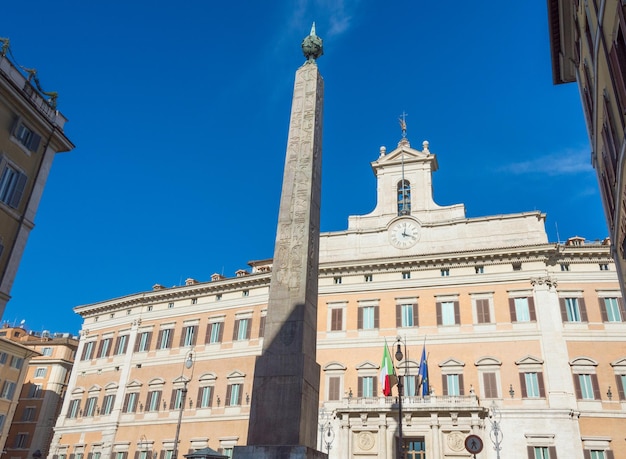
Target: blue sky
{"points": [[180, 110]]}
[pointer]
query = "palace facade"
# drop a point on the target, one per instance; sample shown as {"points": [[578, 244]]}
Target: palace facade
{"points": [[525, 342]]}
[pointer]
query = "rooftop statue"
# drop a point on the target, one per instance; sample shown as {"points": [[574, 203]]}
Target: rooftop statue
{"points": [[312, 46]]}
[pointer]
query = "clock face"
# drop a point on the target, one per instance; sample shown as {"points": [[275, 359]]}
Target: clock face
{"points": [[404, 234]]}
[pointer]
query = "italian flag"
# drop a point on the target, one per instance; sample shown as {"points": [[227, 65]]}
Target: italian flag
{"points": [[387, 376]]}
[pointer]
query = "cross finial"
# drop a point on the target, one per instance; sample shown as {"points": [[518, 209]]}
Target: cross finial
{"points": [[402, 121]]}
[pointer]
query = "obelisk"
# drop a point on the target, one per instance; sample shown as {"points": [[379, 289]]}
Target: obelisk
{"points": [[285, 394]]}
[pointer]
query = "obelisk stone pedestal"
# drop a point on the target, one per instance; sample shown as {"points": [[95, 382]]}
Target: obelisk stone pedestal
{"points": [[285, 394]]}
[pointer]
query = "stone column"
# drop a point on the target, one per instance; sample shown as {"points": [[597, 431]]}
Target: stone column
{"points": [[285, 394]]}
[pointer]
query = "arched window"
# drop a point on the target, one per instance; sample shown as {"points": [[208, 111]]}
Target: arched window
{"points": [[404, 197]]}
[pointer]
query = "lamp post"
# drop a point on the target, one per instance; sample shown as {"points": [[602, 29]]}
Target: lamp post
{"points": [[188, 364], [495, 433], [329, 437], [399, 356]]}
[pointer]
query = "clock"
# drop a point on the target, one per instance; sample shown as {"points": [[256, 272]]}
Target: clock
{"points": [[404, 233]]}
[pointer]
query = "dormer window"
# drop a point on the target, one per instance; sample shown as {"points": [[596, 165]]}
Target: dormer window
{"points": [[404, 197]]}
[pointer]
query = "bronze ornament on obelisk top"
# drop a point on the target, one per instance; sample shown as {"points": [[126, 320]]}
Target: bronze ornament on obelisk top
{"points": [[285, 394]]}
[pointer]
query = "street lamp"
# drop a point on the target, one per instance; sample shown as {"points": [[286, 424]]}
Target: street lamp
{"points": [[188, 364], [495, 433], [399, 356]]}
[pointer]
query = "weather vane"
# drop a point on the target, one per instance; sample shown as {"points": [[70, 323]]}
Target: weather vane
{"points": [[402, 121]]}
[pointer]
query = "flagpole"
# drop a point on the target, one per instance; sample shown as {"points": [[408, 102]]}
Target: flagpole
{"points": [[399, 356]]}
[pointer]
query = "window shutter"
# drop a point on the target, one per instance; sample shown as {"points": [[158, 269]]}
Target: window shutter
{"points": [[542, 389], [461, 385], [512, 309], [398, 315], [360, 319], [579, 394], [438, 308], [159, 339], [333, 388], [375, 386], [617, 71], [229, 389], [583, 310], [531, 308], [586, 454], [236, 330], [262, 326], [620, 303], [563, 309], [457, 313], [207, 335], [173, 399], [552, 452], [489, 380], [359, 392], [248, 328], [620, 387], [182, 337], [199, 398], [531, 452], [221, 332], [19, 190], [596, 387], [522, 384], [376, 317], [125, 405], [603, 313], [415, 315], [609, 454], [157, 394], [195, 335], [100, 346], [444, 384]]}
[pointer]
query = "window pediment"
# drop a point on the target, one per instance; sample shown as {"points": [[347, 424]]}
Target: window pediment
{"points": [[583, 361], [134, 384], [452, 363], [335, 366], [529, 360], [367, 365], [95, 388], [156, 382], [236, 374], [207, 377], [488, 361], [78, 391]]}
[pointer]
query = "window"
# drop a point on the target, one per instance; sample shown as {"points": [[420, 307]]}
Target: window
{"points": [[188, 338], [490, 385], [205, 397], [165, 338], [47, 351], [483, 315], [604, 267], [242, 330], [541, 452], [573, 309], [586, 386], [2, 418], [215, 331], [532, 385], [35, 391], [564, 267], [26, 136], [367, 386], [3, 357], [445, 272], [406, 274], [12, 184], [121, 344], [90, 407], [620, 380], [170, 305], [233, 395], [153, 400], [452, 384], [334, 388], [130, 402], [448, 313], [17, 362], [143, 342], [21, 440], [41, 372], [28, 414], [337, 279], [8, 390], [177, 399], [72, 411], [406, 315], [88, 351], [404, 197], [336, 319], [597, 454], [612, 309], [368, 318], [522, 309], [218, 297], [410, 385], [479, 269], [369, 278], [107, 404], [245, 293], [516, 266], [194, 301], [105, 348]]}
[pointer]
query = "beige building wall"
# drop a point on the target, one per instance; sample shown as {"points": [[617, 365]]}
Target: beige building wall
{"points": [[491, 313]]}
